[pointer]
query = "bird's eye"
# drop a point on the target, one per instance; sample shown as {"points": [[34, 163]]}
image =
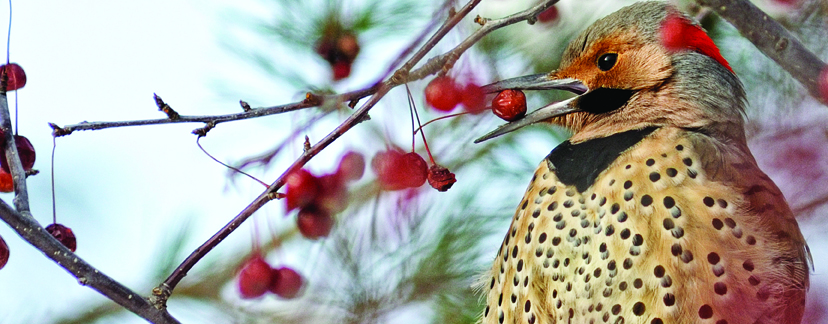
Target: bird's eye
{"points": [[607, 61]]}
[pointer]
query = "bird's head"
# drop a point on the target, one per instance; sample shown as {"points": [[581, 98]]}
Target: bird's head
{"points": [[642, 66]]}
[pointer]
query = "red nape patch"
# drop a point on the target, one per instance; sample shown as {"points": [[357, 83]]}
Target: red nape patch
{"points": [[678, 33]]}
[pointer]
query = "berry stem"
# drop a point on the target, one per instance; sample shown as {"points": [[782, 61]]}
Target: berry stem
{"points": [[8, 36], [417, 115], [198, 142], [439, 118], [54, 209], [411, 110], [8, 55]]}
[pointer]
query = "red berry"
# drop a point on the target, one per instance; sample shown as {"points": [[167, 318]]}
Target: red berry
{"points": [[397, 171], [823, 84], [341, 70], [254, 278], [285, 282], [549, 15], [509, 104], [302, 189], [333, 196], [4, 253], [442, 94], [440, 178], [17, 78], [24, 149], [348, 46], [314, 223], [351, 166], [64, 235], [6, 182], [473, 98]]}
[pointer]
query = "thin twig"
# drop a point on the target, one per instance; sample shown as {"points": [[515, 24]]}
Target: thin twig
{"points": [[216, 119], [265, 158], [402, 75], [31, 231], [773, 40], [198, 142]]}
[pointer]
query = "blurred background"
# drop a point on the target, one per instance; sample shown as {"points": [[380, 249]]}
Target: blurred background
{"points": [[140, 199]]}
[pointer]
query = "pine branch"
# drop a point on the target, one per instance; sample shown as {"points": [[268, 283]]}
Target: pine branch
{"points": [[401, 76]]}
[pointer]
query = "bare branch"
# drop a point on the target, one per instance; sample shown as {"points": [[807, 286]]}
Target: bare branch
{"points": [[402, 75], [310, 101], [773, 40], [31, 231], [21, 193]]}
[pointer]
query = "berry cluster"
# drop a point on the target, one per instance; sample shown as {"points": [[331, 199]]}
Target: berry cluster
{"points": [[444, 94], [319, 198], [256, 278], [15, 79], [339, 47]]}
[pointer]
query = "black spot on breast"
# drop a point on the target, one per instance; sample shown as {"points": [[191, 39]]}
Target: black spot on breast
{"points": [[639, 309], [705, 311], [579, 164], [669, 299]]}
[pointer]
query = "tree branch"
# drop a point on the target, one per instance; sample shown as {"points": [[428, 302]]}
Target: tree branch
{"points": [[30, 230], [21, 193], [401, 76], [773, 40], [311, 100]]}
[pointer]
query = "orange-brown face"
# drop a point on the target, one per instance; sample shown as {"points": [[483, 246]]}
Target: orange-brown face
{"points": [[619, 61], [618, 69], [634, 80]]}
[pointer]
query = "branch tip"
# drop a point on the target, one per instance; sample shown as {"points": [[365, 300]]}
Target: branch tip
{"points": [[201, 132], [58, 131], [245, 106], [312, 99], [307, 145], [163, 106]]}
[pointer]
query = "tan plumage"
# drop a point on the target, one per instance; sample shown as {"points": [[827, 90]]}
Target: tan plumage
{"points": [[681, 227]]}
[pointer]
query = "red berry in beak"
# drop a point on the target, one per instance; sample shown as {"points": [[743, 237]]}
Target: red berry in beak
{"points": [[509, 104]]}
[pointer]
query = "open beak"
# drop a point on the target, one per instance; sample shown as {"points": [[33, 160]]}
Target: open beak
{"points": [[536, 82]]}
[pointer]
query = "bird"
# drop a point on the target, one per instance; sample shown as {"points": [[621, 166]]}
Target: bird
{"points": [[654, 210]]}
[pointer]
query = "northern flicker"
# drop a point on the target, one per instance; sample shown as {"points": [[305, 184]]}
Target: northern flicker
{"points": [[654, 211]]}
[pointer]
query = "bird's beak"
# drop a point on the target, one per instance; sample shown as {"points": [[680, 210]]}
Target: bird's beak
{"points": [[536, 82]]}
